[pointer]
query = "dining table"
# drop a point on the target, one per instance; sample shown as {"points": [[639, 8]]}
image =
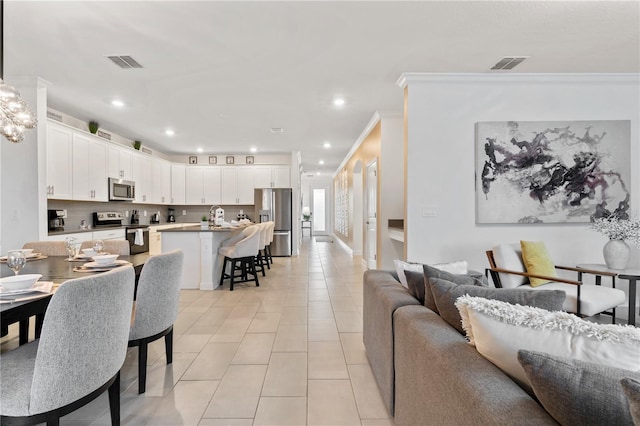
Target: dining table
{"points": [[56, 269]]}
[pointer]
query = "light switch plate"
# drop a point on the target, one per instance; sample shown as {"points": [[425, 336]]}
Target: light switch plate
{"points": [[429, 212]]}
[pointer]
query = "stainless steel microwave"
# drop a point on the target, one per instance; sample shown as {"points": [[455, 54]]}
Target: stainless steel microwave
{"points": [[121, 190]]}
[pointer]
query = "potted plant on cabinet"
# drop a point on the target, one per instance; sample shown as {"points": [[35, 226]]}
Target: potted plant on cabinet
{"points": [[93, 127], [204, 222]]}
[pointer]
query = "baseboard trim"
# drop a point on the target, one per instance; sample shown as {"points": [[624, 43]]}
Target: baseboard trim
{"points": [[343, 244]]}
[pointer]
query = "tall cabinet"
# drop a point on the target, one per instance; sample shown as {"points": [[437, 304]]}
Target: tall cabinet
{"points": [[59, 162], [89, 169]]}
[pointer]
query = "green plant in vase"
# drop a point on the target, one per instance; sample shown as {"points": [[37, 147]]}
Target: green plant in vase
{"points": [[93, 127], [137, 145]]}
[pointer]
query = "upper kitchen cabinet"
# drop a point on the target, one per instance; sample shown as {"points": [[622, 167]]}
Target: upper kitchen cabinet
{"points": [[161, 178], [272, 177], [120, 163], [89, 168], [141, 165], [202, 185], [59, 161], [237, 185], [178, 184]]}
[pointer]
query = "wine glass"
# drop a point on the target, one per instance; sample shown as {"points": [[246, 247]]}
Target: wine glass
{"points": [[16, 260], [98, 245], [70, 244]]}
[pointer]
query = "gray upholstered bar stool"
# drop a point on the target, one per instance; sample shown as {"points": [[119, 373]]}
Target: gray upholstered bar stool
{"points": [[241, 257], [272, 225], [261, 258]]}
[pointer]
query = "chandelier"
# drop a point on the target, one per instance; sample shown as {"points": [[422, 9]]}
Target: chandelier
{"points": [[15, 116]]}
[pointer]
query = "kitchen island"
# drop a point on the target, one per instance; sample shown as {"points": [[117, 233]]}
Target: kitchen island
{"points": [[202, 264]]}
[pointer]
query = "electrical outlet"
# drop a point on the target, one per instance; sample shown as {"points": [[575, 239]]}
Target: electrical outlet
{"points": [[126, 213], [144, 213], [184, 212]]}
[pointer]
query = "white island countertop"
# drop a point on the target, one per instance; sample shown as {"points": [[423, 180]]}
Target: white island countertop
{"points": [[198, 228]]}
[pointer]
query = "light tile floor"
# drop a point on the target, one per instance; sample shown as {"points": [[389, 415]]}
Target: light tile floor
{"points": [[288, 352]]}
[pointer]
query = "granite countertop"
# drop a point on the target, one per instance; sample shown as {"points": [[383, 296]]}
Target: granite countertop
{"points": [[79, 231], [197, 228]]}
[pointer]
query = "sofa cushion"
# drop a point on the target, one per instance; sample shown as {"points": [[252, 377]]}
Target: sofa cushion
{"points": [[631, 389], [446, 293], [537, 260], [498, 330], [416, 284], [430, 273], [576, 392], [401, 267]]}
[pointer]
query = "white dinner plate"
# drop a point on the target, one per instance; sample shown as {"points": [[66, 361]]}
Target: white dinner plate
{"points": [[39, 286], [92, 265], [31, 256]]}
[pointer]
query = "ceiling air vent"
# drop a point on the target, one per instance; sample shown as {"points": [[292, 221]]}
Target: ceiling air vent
{"points": [[508, 62], [277, 130], [125, 62]]}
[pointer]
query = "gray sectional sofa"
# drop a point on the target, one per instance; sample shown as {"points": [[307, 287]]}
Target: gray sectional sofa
{"points": [[426, 371]]}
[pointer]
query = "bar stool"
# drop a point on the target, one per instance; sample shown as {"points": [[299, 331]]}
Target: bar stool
{"points": [[267, 249], [261, 258], [241, 256]]}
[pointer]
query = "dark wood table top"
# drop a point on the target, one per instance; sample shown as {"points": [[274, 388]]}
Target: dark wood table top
{"points": [[58, 270]]}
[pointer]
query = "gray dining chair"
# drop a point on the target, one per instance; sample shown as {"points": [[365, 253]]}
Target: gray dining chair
{"points": [[120, 247], [78, 356], [156, 307], [48, 248]]}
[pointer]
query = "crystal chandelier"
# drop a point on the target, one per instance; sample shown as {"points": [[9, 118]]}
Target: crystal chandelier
{"points": [[15, 116]]}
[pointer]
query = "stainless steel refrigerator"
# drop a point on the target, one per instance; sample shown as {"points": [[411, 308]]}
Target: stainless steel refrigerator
{"points": [[275, 204]]}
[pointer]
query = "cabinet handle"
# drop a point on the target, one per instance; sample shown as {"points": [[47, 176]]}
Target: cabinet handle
{"points": [[53, 189]]}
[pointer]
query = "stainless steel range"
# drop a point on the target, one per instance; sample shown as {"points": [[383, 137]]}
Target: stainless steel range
{"points": [[137, 235]]}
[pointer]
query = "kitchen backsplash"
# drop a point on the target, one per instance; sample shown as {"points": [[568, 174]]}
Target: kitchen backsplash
{"points": [[83, 210]]}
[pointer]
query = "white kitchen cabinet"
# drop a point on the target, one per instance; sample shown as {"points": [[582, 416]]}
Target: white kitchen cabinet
{"points": [[272, 177], [202, 185], [89, 168], [281, 177], [177, 184], [59, 162], [110, 234], [142, 177], [120, 163], [237, 185], [160, 191], [79, 236]]}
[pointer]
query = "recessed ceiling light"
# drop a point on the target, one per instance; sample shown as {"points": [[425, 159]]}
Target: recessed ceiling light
{"points": [[321, 162], [327, 145], [169, 132], [199, 150], [318, 173], [117, 103], [253, 149], [338, 101]]}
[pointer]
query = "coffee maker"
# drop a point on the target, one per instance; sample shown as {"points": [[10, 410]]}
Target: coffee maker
{"points": [[171, 217], [56, 220]]}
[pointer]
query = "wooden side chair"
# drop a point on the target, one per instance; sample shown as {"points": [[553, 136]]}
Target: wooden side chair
{"points": [[508, 271]]}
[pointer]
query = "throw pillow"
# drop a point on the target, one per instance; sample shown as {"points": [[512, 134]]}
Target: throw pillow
{"points": [[509, 257], [432, 273], [576, 392], [446, 293], [632, 391], [459, 267], [537, 261], [416, 285], [405, 266], [498, 330]]}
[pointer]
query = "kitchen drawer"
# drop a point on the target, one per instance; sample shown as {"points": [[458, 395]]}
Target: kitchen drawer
{"points": [[111, 234], [80, 237]]}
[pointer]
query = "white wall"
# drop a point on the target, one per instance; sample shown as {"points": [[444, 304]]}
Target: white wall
{"points": [[442, 112], [390, 173], [23, 186]]}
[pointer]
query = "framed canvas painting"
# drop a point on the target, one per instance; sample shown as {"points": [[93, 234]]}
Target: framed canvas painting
{"points": [[552, 171]]}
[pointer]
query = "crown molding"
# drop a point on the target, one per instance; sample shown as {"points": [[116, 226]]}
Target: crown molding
{"points": [[504, 78]]}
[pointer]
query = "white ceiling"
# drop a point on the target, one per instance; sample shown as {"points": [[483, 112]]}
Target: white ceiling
{"points": [[223, 73]]}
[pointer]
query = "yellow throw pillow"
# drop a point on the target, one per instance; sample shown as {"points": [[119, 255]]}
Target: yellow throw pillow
{"points": [[537, 261]]}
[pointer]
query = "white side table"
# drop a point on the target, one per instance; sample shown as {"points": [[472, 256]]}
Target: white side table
{"points": [[631, 275]]}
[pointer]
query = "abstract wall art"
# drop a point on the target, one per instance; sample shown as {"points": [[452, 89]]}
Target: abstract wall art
{"points": [[552, 171]]}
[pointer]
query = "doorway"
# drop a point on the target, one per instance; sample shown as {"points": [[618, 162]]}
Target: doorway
{"points": [[372, 214], [319, 209]]}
